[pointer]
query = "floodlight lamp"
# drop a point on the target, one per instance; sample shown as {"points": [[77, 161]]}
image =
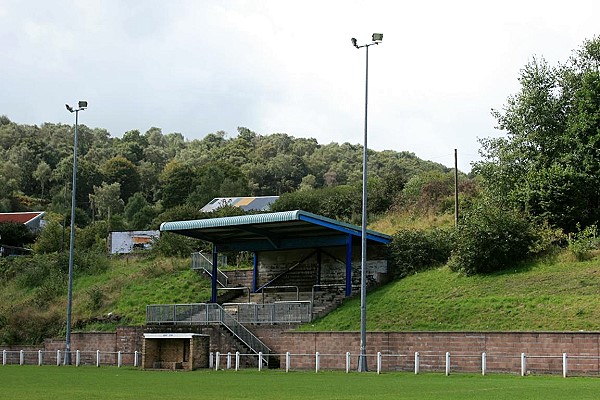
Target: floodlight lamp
{"points": [[377, 37], [82, 104], [354, 42]]}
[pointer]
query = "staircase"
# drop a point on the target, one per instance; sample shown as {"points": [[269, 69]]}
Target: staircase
{"points": [[206, 314]]}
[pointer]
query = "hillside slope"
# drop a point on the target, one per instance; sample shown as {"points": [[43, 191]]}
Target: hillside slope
{"points": [[33, 308], [561, 296]]}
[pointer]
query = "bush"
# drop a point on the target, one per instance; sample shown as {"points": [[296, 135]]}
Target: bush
{"points": [[582, 243], [490, 239], [174, 245], [412, 251]]}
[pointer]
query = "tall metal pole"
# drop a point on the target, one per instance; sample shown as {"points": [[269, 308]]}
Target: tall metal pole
{"points": [[362, 360], [71, 246], [81, 105]]}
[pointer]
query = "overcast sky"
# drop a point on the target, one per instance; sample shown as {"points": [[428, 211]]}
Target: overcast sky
{"points": [[197, 67]]}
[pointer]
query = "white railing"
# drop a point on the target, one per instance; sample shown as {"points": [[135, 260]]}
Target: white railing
{"points": [[419, 362], [95, 358], [564, 364]]}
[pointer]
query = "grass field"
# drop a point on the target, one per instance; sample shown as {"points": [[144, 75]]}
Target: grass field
{"points": [[33, 382]]}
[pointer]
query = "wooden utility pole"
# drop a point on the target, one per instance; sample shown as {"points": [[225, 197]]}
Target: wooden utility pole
{"points": [[455, 188]]}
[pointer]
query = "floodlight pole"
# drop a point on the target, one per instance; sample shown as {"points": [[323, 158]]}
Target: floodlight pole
{"points": [[362, 359], [82, 105]]}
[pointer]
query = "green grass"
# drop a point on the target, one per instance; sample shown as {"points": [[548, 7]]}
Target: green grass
{"points": [[123, 289], [32, 382], [558, 296]]}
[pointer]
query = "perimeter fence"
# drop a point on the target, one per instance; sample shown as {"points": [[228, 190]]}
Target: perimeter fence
{"points": [[78, 358], [417, 362]]}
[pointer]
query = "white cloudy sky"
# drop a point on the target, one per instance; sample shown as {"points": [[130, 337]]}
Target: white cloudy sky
{"points": [[201, 66]]}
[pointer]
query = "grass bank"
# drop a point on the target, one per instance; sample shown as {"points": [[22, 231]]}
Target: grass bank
{"points": [[542, 296]]}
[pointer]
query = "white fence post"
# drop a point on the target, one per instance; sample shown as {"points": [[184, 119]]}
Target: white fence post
{"points": [[135, 358], [378, 362], [347, 361], [228, 360], [523, 364], [287, 361], [447, 363], [77, 358], [237, 360], [565, 367], [21, 357], [58, 358], [3, 357], [217, 357], [483, 363], [210, 360], [97, 358], [317, 361], [260, 357], [417, 362], [40, 358], [119, 359]]}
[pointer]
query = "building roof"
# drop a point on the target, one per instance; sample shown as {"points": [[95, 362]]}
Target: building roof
{"points": [[27, 218], [259, 203], [272, 231]]}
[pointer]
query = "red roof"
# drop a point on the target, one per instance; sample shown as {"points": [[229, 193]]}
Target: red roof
{"points": [[19, 217]]}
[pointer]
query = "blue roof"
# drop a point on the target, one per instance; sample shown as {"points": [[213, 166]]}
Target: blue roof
{"points": [[287, 229]]}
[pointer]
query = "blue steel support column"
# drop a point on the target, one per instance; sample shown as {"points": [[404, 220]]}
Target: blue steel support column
{"points": [[255, 273], [213, 297], [348, 265]]}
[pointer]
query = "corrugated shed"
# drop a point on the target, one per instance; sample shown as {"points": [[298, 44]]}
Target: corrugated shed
{"points": [[258, 203]]}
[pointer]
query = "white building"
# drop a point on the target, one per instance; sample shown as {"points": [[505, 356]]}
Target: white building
{"points": [[129, 241]]}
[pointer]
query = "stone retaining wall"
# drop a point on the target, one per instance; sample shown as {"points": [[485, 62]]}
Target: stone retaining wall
{"points": [[503, 349]]}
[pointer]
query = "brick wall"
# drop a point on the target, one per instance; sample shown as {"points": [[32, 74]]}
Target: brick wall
{"points": [[544, 350], [503, 349]]}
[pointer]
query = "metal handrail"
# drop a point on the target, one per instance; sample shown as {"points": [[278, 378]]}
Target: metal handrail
{"points": [[245, 288], [262, 290], [222, 278]]}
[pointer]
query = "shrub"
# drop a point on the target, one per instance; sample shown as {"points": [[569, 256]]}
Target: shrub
{"points": [[174, 245], [581, 243], [490, 239], [412, 251]]}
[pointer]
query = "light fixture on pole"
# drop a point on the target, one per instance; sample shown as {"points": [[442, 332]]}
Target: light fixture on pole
{"points": [[81, 105], [362, 359]]}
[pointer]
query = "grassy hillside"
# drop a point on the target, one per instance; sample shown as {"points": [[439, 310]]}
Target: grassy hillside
{"points": [[122, 288], [555, 295], [544, 296]]}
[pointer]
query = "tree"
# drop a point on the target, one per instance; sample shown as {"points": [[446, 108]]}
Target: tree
{"points": [[178, 181], [548, 163], [42, 174], [15, 234], [121, 170], [107, 200], [138, 212]]}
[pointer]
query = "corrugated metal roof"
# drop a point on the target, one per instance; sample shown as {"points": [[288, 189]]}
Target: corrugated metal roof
{"points": [[287, 229], [259, 203], [231, 221]]}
